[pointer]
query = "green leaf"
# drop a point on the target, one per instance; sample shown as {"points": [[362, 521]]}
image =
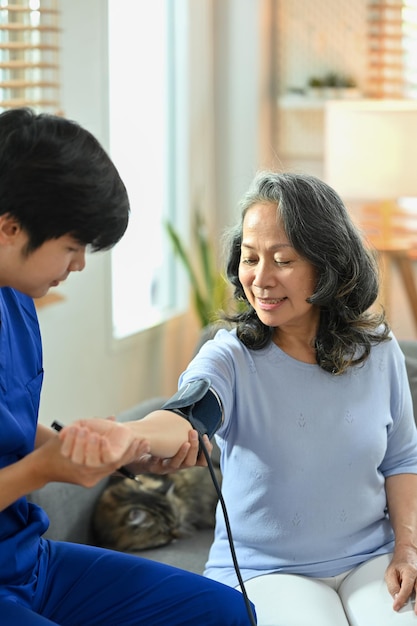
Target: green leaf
{"points": [[210, 289]]}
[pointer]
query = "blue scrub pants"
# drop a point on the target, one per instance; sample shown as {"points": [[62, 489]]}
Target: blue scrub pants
{"points": [[78, 585]]}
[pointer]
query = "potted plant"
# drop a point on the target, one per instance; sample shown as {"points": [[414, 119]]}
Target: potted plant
{"points": [[210, 290], [331, 84], [348, 87], [315, 87]]}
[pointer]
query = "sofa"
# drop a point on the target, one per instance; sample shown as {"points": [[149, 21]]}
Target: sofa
{"points": [[69, 507]]}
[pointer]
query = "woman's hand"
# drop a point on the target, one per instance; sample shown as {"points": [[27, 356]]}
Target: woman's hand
{"points": [[188, 455], [401, 576]]}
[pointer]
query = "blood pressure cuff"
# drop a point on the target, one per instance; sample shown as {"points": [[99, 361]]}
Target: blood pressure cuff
{"points": [[198, 404]]}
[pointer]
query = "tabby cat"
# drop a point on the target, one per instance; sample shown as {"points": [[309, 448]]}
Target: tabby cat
{"points": [[152, 510]]}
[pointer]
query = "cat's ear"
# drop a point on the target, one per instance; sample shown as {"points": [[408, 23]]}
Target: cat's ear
{"points": [[138, 517], [167, 487]]}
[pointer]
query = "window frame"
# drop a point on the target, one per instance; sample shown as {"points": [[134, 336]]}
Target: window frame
{"points": [[172, 281]]}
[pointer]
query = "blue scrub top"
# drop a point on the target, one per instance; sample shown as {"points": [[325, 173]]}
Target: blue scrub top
{"points": [[21, 375]]}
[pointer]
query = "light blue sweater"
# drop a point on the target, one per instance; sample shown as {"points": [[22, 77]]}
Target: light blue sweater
{"points": [[304, 456]]}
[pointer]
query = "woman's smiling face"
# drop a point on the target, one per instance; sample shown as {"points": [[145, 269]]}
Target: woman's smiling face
{"points": [[275, 278]]}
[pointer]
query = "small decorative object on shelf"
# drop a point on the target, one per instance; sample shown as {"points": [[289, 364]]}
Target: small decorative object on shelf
{"points": [[315, 87], [332, 85]]}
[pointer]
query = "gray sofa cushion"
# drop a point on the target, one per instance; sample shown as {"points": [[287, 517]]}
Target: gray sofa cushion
{"points": [[188, 553], [69, 509], [140, 410]]}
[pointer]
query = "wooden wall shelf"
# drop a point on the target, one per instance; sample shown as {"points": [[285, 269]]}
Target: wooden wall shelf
{"points": [[51, 298]]}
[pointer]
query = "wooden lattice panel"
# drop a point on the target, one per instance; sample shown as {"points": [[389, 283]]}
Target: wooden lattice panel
{"points": [[29, 54], [385, 49]]}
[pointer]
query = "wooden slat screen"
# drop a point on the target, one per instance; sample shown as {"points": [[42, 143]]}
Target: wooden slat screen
{"points": [[386, 53], [29, 54], [392, 48]]}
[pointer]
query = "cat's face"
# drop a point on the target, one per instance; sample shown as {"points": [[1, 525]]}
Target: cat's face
{"points": [[135, 515], [153, 510]]}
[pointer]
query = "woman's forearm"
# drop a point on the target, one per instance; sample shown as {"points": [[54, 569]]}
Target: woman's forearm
{"points": [[166, 432], [402, 507]]}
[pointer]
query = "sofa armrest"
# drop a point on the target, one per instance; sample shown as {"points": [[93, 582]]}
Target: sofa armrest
{"points": [[409, 348]]}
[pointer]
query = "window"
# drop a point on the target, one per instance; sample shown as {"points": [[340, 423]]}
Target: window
{"points": [[145, 88]]}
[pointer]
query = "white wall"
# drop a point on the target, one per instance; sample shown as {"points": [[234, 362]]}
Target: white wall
{"points": [[85, 372]]}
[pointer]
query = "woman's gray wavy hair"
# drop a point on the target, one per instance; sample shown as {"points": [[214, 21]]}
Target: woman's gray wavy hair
{"points": [[320, 229]]}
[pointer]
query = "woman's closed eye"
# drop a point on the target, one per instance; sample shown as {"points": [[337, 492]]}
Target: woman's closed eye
{"points": [[279, 262], [248, 261]]}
